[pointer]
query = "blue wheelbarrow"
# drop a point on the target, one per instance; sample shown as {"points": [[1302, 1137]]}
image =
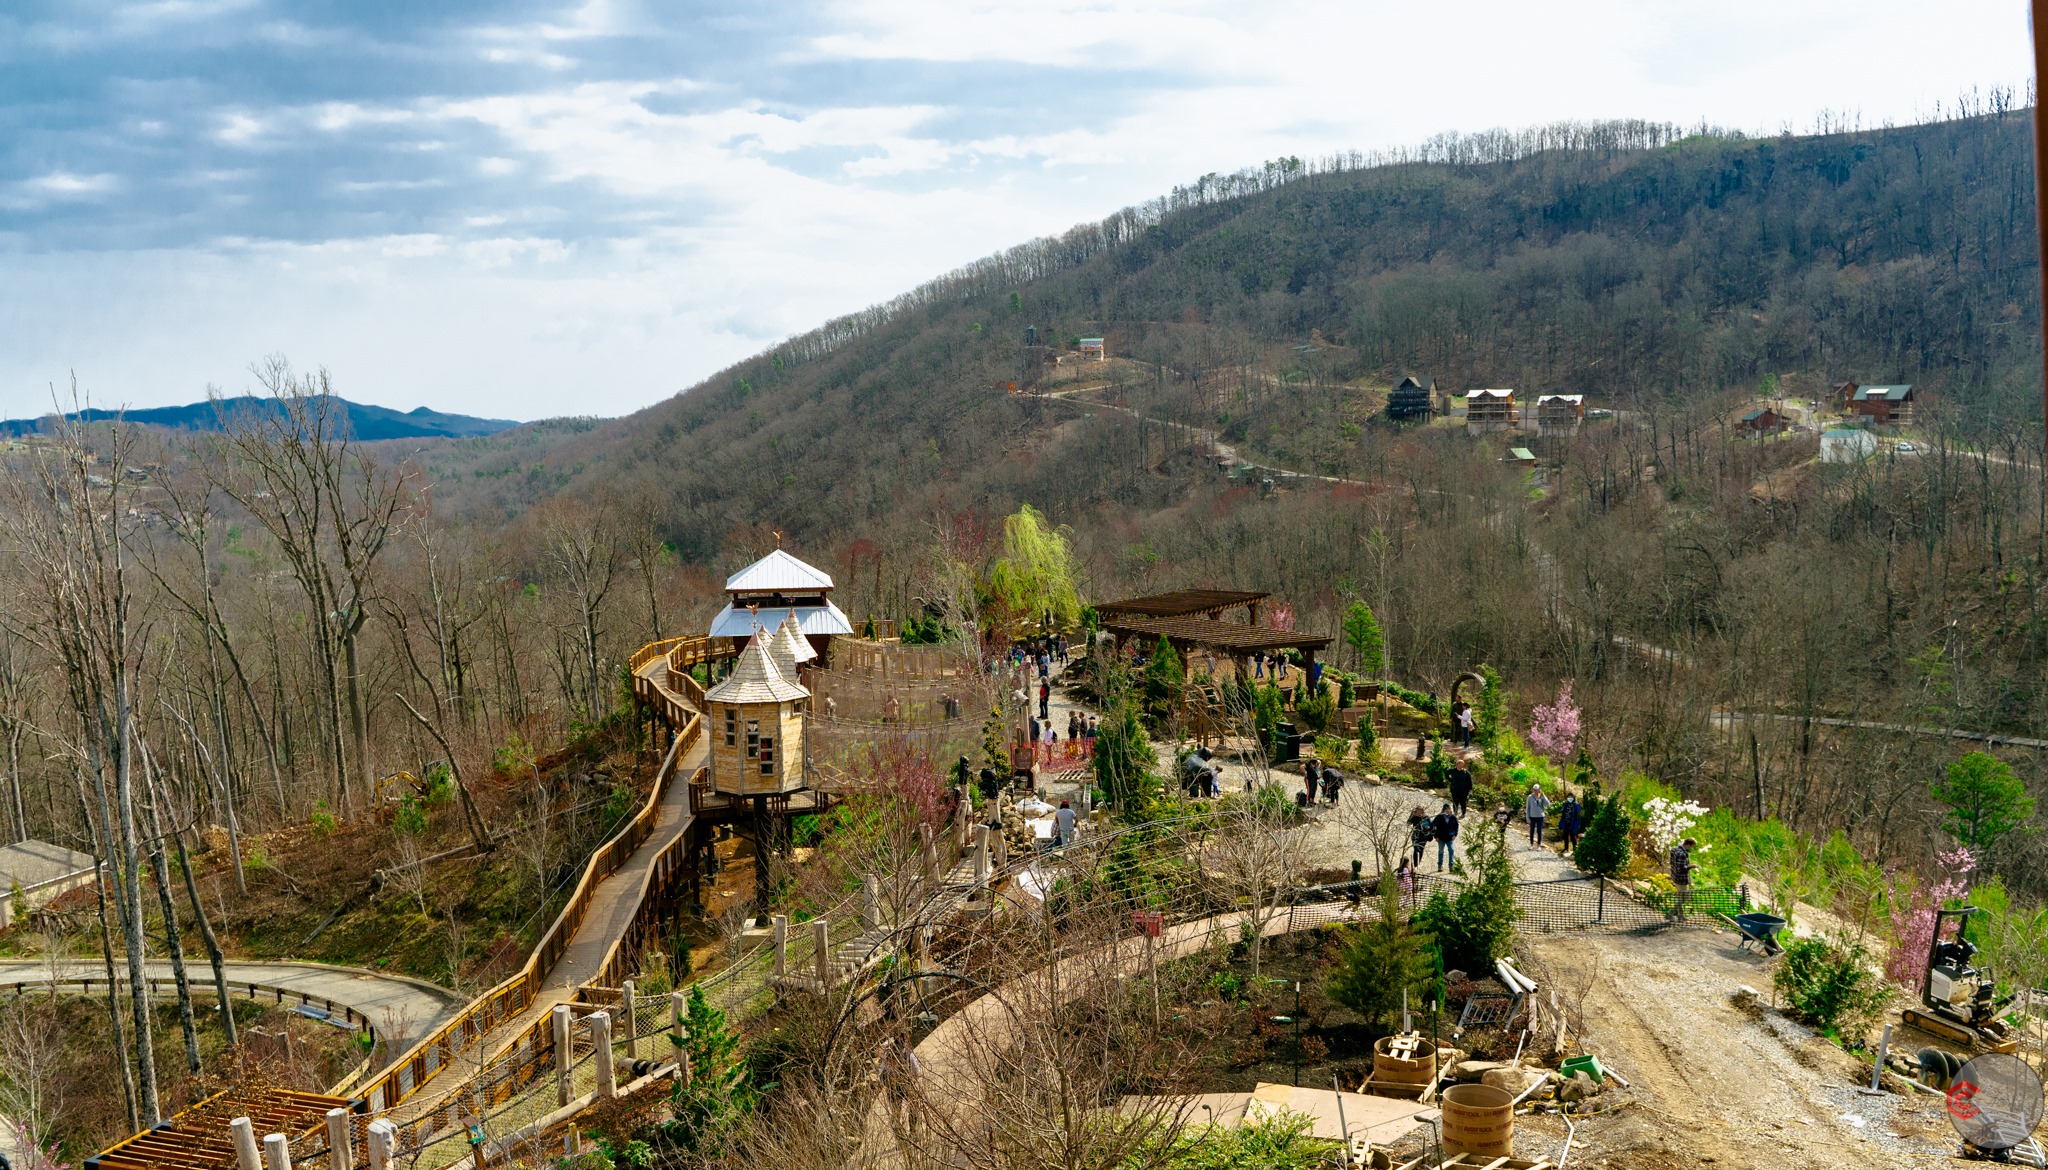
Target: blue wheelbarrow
{"points": [[1761, 929]]}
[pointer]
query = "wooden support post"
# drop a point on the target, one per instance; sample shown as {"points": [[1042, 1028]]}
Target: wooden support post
{"points": [[340, 1154], [870, 901], [629, 1020], [980, 854], [930, 851], [246, 1156], [277, 1151], [383, 1142], [601, 1042], [821, 944], [781, 945], [565, 1052], [1002, 848]]}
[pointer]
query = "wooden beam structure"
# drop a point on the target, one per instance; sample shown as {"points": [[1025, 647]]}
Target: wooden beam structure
{"points": [[199, 1138], [1209, 603]]}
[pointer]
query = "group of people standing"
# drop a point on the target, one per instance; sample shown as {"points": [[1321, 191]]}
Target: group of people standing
{"points": [[1442, 829], [1320, 780]]}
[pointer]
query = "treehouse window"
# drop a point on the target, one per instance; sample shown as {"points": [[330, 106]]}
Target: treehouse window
{"points": [[767, 755], [732, 723], [753, 739]]}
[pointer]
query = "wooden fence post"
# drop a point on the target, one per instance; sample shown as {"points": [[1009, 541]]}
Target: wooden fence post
{"points": [[821, 943], [277, 1151], [631, 1020], [870, 901], [339, 1154], [246, 1157], [781, 945], [565, 1052], [383, 1137], [601, 1042]]}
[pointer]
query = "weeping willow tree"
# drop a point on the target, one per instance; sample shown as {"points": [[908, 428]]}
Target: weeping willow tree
{"points": [[1032, 585]]}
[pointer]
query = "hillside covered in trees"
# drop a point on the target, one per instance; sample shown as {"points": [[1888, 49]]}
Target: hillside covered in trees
{"points": [[1666, 275]]}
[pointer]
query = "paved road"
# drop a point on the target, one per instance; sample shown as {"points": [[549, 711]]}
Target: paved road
{"points": [[399, 1007]]}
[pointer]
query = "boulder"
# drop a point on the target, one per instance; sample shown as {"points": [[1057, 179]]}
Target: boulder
{"points": [[1578, 1088], [1472, 1070], [1515, 1080]]}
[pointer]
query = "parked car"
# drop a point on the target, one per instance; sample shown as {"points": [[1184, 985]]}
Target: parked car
{"points": [[1906, 447]]}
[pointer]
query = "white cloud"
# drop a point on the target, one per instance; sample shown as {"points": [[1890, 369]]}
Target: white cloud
{"points": [[616, 202]]}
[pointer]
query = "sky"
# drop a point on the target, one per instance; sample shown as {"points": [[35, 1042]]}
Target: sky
{"points": [[525, 210]]}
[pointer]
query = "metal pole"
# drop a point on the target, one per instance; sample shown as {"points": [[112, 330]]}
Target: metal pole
{"points": [[1884, 1044]]}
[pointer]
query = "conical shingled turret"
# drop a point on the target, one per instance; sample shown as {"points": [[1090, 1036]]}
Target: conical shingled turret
{"points": [[755, 678]]}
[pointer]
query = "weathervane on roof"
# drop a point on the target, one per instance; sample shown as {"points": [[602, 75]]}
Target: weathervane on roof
{"points": [[778, 538]]}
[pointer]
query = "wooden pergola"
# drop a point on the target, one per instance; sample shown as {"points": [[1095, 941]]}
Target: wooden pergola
{"points": [[1235, 639], [1182, 603], [199, 1137]]}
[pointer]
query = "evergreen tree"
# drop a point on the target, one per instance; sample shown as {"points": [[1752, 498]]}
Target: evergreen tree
{"points": [[1124, 762], [1266, 715], [1165, 676], [1604, 850], [1985, 802], [1382, 959], [1478, 925], [1368, 743], [1362, 632], [720, 1091], [1491, 709]]}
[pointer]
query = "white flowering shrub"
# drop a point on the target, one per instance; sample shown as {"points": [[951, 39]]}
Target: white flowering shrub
{"points": [[1668, 821]]}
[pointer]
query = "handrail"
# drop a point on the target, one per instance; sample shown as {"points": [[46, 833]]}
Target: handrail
{"points": [[410, 1072], [652, 651]]}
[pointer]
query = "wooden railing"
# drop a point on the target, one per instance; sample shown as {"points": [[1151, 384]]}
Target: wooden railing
{"points": [[652, 651], [413, 1070], [684, 653]]}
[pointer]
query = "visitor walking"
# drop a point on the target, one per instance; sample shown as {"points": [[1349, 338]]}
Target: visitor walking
{"points": [[1044, 699], [1536, 809], [1461, 787], [1502, 818], [1421, 831], [1063, 822], [1404, 880], [1311, 775], [1568, 818], [1461, 714], [1681, 877], [1445, 828]]}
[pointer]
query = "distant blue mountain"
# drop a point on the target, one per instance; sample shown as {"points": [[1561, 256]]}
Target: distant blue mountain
{"points": [[367, 423]]}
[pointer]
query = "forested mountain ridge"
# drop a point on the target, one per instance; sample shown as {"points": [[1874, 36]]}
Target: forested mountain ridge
{"points": [[1637, 276], [1669, 565], [364, 422]]}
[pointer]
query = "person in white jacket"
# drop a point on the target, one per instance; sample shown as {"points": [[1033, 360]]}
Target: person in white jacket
{"points": [[1537, 808]]}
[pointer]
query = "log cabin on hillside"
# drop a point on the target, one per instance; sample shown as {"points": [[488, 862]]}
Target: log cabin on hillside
{"points": [[1490, 409], [1411, 399]]}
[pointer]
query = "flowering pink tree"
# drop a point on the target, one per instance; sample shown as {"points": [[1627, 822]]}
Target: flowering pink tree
{"points": [[1913, 918], [1554, 730]]}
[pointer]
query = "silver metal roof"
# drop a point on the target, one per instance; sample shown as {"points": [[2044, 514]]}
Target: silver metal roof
{"points": [[778, 572], [738, 621]]}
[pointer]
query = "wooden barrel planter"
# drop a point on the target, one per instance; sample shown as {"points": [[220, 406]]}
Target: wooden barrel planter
{"points": [[1403, 1060], [1478, 1119]]}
